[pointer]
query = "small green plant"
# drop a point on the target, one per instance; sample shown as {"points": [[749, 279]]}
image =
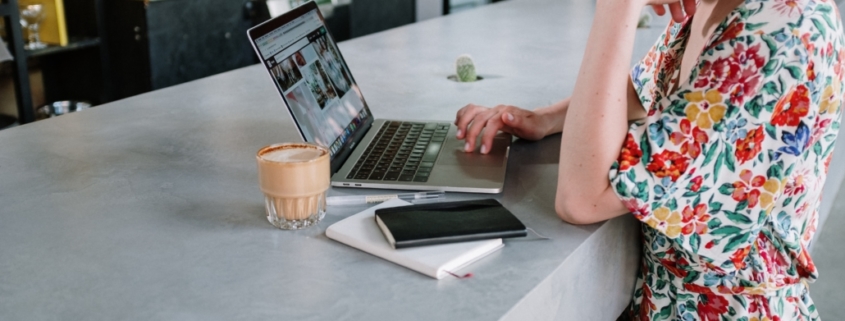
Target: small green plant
{"points": [[465, 69]]}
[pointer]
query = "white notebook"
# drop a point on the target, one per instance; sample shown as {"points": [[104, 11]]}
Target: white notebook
{"points": [[360, 231]]}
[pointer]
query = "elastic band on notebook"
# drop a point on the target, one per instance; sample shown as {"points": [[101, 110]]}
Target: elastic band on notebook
{"points": [[537, 234], [465, 276]]}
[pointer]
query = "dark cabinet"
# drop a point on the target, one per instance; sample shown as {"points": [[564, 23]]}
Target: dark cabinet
{"points": [[156, 44]]}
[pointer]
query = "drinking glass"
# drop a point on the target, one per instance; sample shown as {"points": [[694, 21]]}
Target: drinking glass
{"points": [[31, 17]]}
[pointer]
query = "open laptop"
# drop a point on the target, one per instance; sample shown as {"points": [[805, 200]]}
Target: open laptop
{"points": [[328, 108]]}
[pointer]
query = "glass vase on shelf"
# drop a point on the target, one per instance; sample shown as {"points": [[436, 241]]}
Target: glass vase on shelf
{"points": [[31, 17]]}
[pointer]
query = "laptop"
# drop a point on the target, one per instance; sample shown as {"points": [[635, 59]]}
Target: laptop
{"points": [[329, 109]]}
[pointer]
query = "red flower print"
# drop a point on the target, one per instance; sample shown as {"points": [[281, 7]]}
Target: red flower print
{"points": [[712, 307], [630, 154], [646, 304], [805, 39], [798, 101], [695, 219], [650, 58], [748, 188], [789, 8], [668, 163], [691, 137], [731, 32], [695, 183], [737, 75], [673, 268], [748, 147], [633, 205], [811, 73], [839, 64], [738, 258]]}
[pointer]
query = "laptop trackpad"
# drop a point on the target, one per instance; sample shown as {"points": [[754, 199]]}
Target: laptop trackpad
{"points": [[453, 153]]}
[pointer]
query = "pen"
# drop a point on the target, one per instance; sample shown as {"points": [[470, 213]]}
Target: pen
{"points": [[367, 199]]}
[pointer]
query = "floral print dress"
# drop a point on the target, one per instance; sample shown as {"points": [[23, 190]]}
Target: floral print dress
{"points": [[726, 171]]}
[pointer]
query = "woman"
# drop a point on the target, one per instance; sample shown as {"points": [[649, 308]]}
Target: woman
{"points": [[736, 110]]}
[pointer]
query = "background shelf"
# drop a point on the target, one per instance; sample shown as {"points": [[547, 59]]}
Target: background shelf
{"points": [[72, 45]]}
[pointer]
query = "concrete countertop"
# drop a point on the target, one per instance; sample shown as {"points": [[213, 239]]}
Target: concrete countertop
{"points": [[149, 207]]}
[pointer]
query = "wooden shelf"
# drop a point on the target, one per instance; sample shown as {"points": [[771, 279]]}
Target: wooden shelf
{"points": [[96, 39], [74, 44]]}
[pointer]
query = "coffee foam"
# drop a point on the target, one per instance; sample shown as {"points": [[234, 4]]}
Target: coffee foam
{"points": [[289, 155]]}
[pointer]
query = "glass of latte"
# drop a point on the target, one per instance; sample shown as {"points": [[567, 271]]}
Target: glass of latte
{"points": [[294, 178]]}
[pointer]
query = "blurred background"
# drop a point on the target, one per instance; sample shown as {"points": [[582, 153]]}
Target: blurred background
{"points": [[96, 51]]}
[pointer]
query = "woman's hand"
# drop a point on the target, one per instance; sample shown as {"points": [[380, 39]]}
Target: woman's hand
{"points": [[680, 9], [472, 119]]}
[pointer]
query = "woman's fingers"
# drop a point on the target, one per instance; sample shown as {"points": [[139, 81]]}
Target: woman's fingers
{"points": [[677, 12], [479, 123], [689, 7], [464, 117], [494, 124], [658, 9]]}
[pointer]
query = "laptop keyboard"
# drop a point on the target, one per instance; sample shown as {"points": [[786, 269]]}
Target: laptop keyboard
{"points": [[401, 151]]}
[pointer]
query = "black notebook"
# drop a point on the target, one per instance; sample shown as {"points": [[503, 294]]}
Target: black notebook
{"points": [[450, 222]]}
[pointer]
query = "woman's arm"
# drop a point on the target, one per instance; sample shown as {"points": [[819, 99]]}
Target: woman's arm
{"points": [[600, 108], [526, 124], [596, 120]]}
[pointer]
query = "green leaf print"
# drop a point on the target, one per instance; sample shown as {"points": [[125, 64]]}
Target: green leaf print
{"points": [[823, 8], [691, 277], [645, 147], [714, 222], [754, 106], [665, 312], [754, 26], [709, 153], [775, 171], [771, 87], [717, 167], [737, 240], [822, 29], [741, 205], [773, 46], [726, 230], [729, 158], [738, 218], [817, 148], [726, 189], [771, 130], [715, 207], [795, 72], [695, 242]]}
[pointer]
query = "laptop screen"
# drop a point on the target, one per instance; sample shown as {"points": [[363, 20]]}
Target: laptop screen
{"points": [[312, 77]]}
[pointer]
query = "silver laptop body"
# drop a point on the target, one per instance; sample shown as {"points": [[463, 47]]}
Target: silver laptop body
{"points": [[328, 108]]}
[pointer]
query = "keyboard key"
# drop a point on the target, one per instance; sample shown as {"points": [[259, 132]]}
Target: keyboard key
{"points": [[362, 176], [427, 164], [423, 174], [432, 151], [376, 176], [420, 179], [406, 178]]}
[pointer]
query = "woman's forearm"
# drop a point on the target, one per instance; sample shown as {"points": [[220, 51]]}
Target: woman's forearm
{"points": [[596, 118], [555, 114]]}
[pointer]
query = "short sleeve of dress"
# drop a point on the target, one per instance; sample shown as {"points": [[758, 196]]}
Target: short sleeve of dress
{"points": [[708, 167]]}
